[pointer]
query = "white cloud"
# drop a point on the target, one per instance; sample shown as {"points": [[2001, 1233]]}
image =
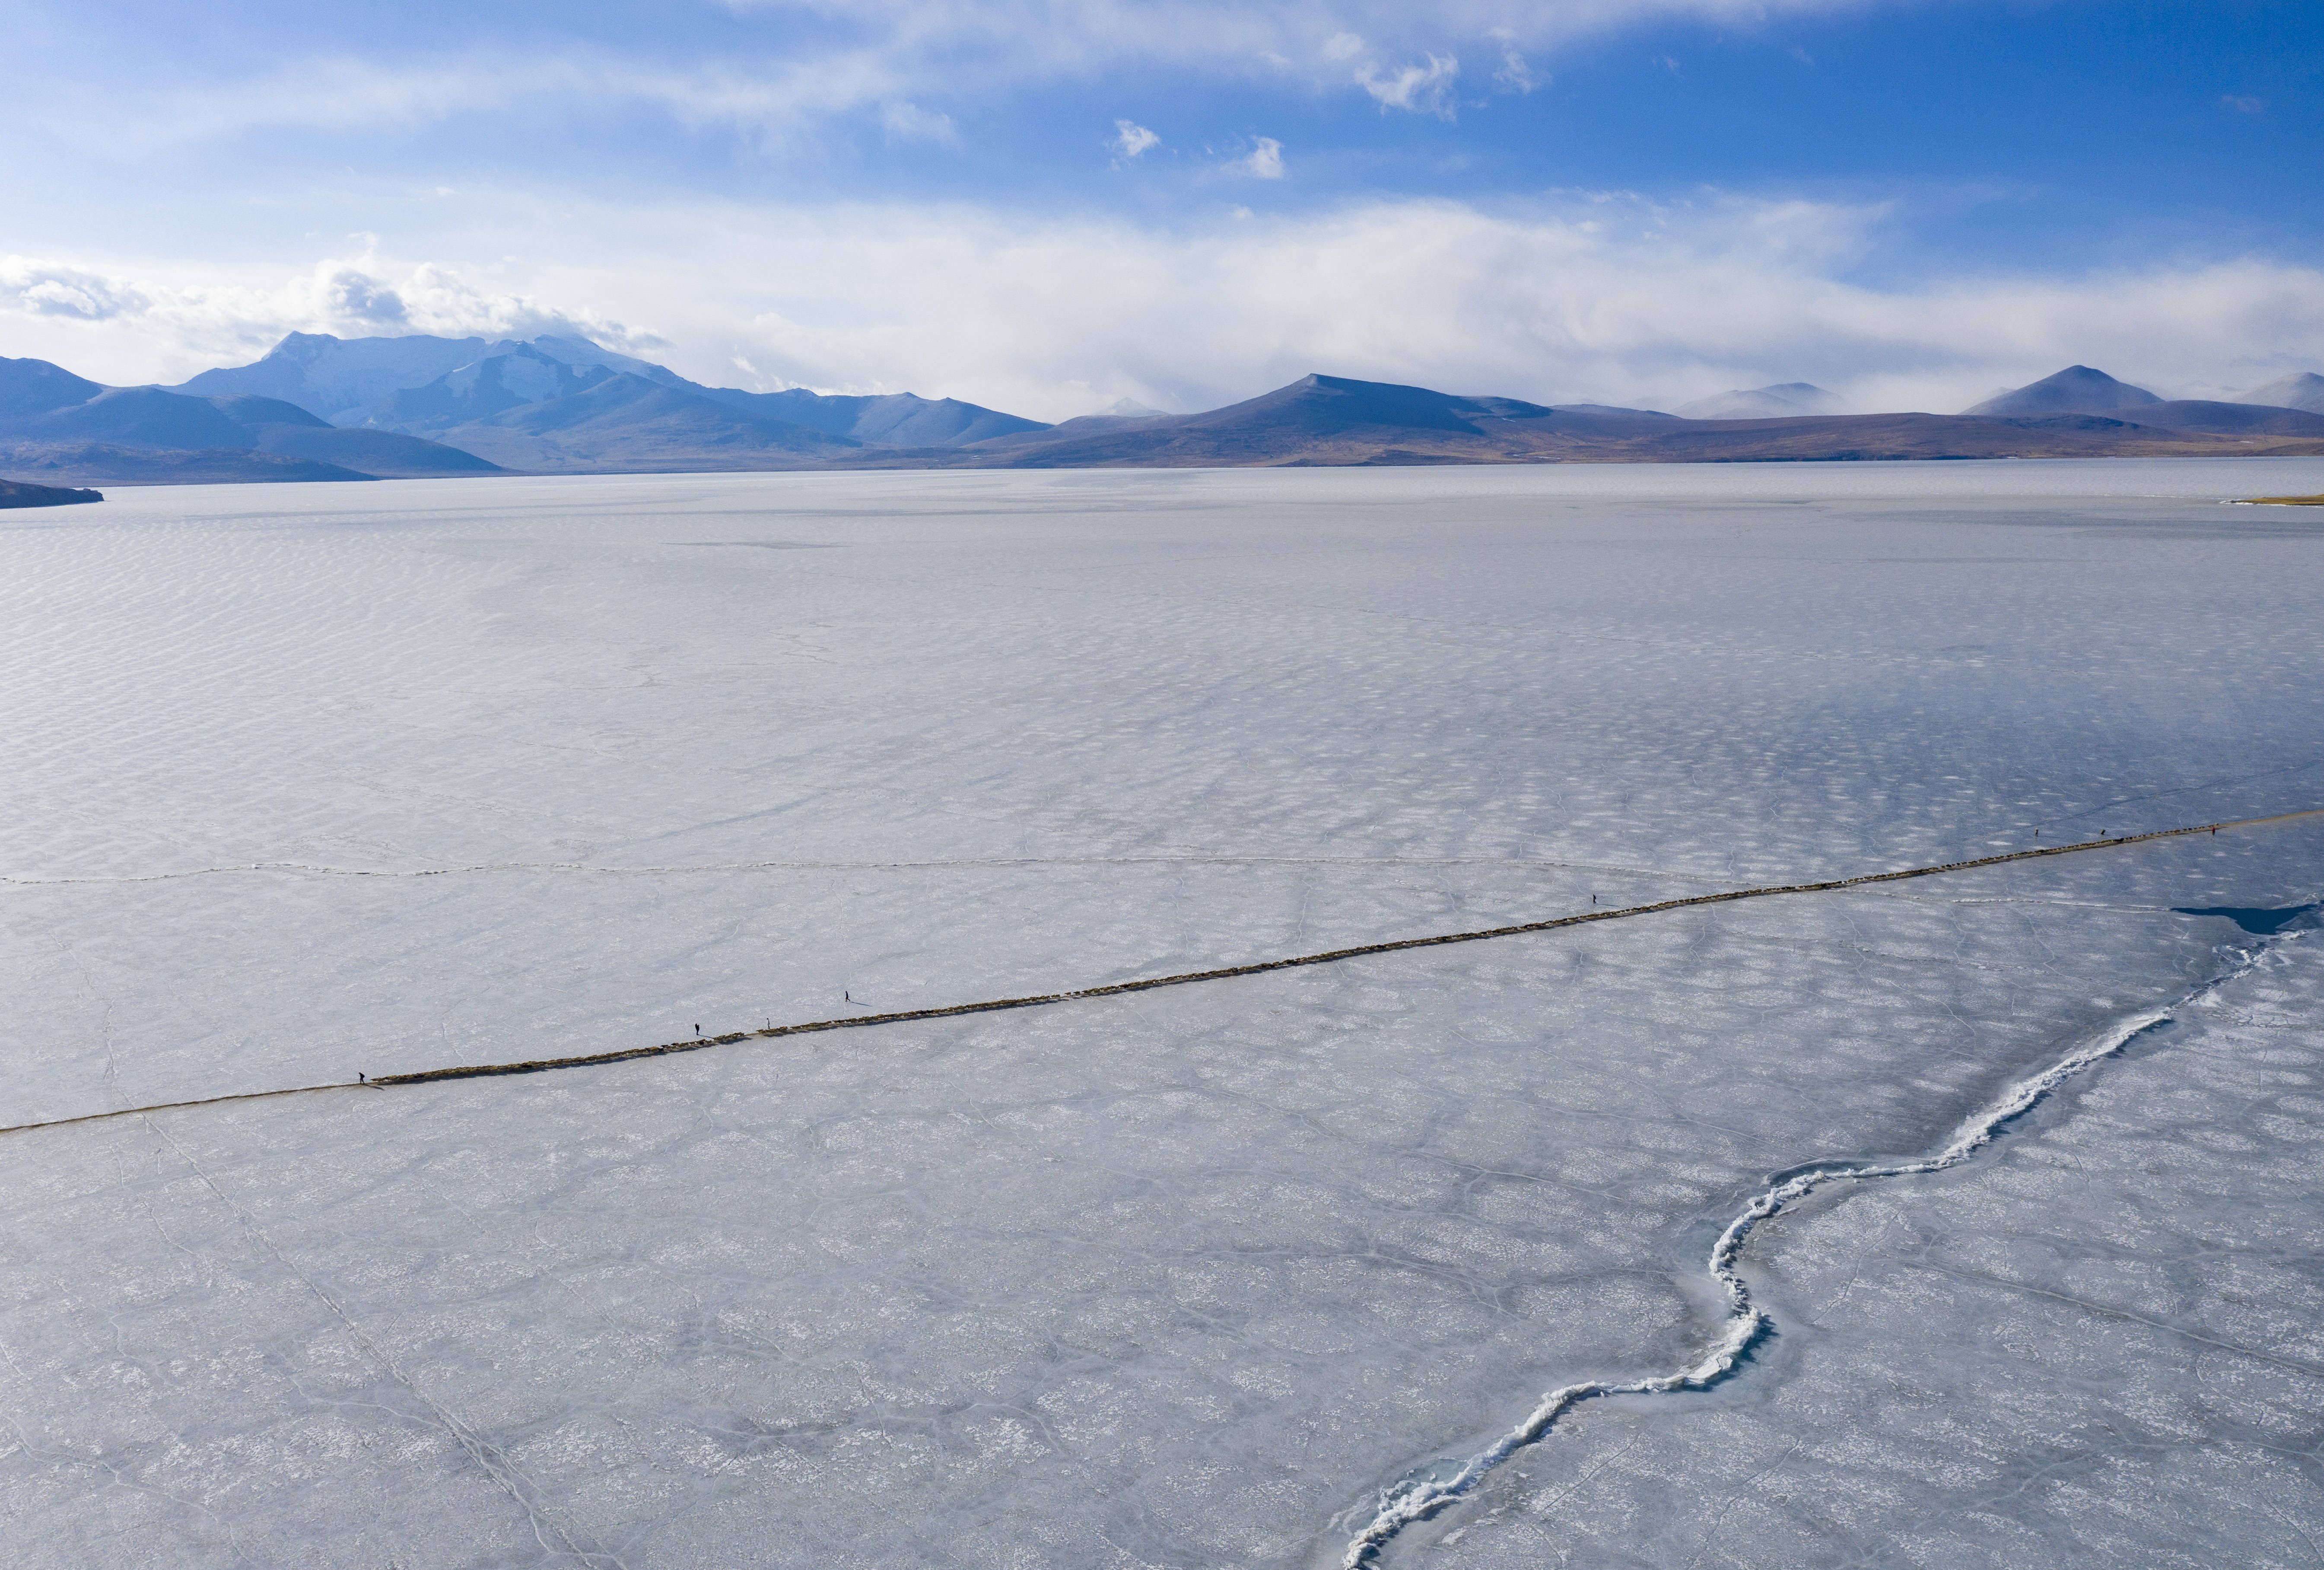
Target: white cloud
{"points": [[1516, 74], [864, 55], [1422, 89], [1130, 139], [770, 100], [1266, 159], [1617, 300], [1591, 296], [66, 291], [123, 327], [353, 295], [908, 122]]}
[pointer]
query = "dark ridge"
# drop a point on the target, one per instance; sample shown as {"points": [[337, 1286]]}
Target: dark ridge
{"points": [[1184, 978], [19, 494], [2227, 418], [1325, 421], [103, 463]]}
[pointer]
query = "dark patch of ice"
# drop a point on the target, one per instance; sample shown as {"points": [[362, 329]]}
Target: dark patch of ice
{"points": [[2260, 923]]}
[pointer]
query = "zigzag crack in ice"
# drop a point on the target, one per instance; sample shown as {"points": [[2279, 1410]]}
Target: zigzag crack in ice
{"points": [[1431, 1489]]}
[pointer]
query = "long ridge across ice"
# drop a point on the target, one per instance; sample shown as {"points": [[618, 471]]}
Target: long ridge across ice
{"points": [[1184, 978]]}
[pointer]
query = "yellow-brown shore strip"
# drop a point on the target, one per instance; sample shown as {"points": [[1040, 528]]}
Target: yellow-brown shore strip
{"points": [[2280, 502], [1184, 978]]}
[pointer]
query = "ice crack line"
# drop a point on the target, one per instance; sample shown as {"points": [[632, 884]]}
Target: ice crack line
{"points": [[1426, 1495], [313, 869], [487, 1456]]}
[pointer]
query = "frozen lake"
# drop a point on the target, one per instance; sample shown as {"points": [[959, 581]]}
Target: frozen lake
{"points": [[313, 781]]}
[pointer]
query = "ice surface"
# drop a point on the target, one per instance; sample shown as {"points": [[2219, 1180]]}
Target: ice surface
{"points": [[308, 782], [2099, 1346]]}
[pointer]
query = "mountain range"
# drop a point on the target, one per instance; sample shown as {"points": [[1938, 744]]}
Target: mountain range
{"points": [[322, 408], [563, 404], [1332, 421], [57, 425]]}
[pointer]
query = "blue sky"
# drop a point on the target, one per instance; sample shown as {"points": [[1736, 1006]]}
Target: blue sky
{"points": [[1048, 205]]}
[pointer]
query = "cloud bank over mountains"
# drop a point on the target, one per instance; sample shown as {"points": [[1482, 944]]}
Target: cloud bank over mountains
{"points": [[140, 325], [1052, 205], [1605, 298]]}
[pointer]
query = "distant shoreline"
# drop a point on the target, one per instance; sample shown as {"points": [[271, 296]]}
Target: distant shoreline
{"points": [[24, 493]]}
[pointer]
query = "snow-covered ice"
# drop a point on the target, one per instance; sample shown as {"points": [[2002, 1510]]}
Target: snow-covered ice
{"points": [[313, 781], [2102, 1346]]}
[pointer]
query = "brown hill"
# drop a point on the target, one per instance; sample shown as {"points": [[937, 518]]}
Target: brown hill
{"points": [[1325, 420]]}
